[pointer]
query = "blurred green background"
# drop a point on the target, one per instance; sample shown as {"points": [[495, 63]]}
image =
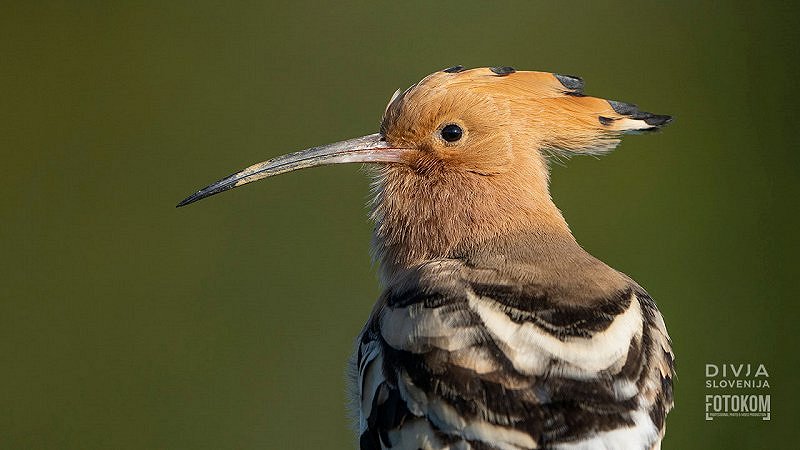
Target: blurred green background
{"points": [[128, 324]]}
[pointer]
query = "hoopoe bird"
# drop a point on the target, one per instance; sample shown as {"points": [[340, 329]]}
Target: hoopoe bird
{"points": [[495, 329]]}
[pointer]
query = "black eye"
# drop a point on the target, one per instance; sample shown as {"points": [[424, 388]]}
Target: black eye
{"points": [[451, 133]]}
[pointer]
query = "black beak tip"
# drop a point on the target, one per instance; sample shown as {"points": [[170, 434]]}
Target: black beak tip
{"points": [[208, 191], [188, 200]]}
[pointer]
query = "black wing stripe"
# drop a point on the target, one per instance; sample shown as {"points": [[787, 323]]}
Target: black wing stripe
{"points": [[533, 303]]}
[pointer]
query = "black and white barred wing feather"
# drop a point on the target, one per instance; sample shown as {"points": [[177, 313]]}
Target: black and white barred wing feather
{"points": [[447, 362]]}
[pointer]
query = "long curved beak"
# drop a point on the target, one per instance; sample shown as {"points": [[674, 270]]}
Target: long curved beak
{"points": [[365, 149]]}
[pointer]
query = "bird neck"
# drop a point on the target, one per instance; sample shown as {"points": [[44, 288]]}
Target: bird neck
{"points": [[455, 215]]}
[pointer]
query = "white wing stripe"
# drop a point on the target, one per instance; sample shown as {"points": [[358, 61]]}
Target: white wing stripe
{"points": [[531, 348]]}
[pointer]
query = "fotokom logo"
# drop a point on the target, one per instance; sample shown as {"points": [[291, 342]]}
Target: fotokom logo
{"points": [[747, 386]]}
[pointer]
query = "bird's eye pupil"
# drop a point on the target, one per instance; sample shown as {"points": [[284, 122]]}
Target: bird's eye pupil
{"points": [[451, 133]]}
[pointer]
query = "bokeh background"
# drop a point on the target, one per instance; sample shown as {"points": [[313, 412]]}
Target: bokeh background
{"points": [[128, 324]]}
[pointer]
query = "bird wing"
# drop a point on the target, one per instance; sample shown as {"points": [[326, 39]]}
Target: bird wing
{"points": [[450, 361]]}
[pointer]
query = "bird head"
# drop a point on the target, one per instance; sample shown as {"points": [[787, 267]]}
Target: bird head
{"points": [[490, 121], [462, 156], [485, 121]]}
